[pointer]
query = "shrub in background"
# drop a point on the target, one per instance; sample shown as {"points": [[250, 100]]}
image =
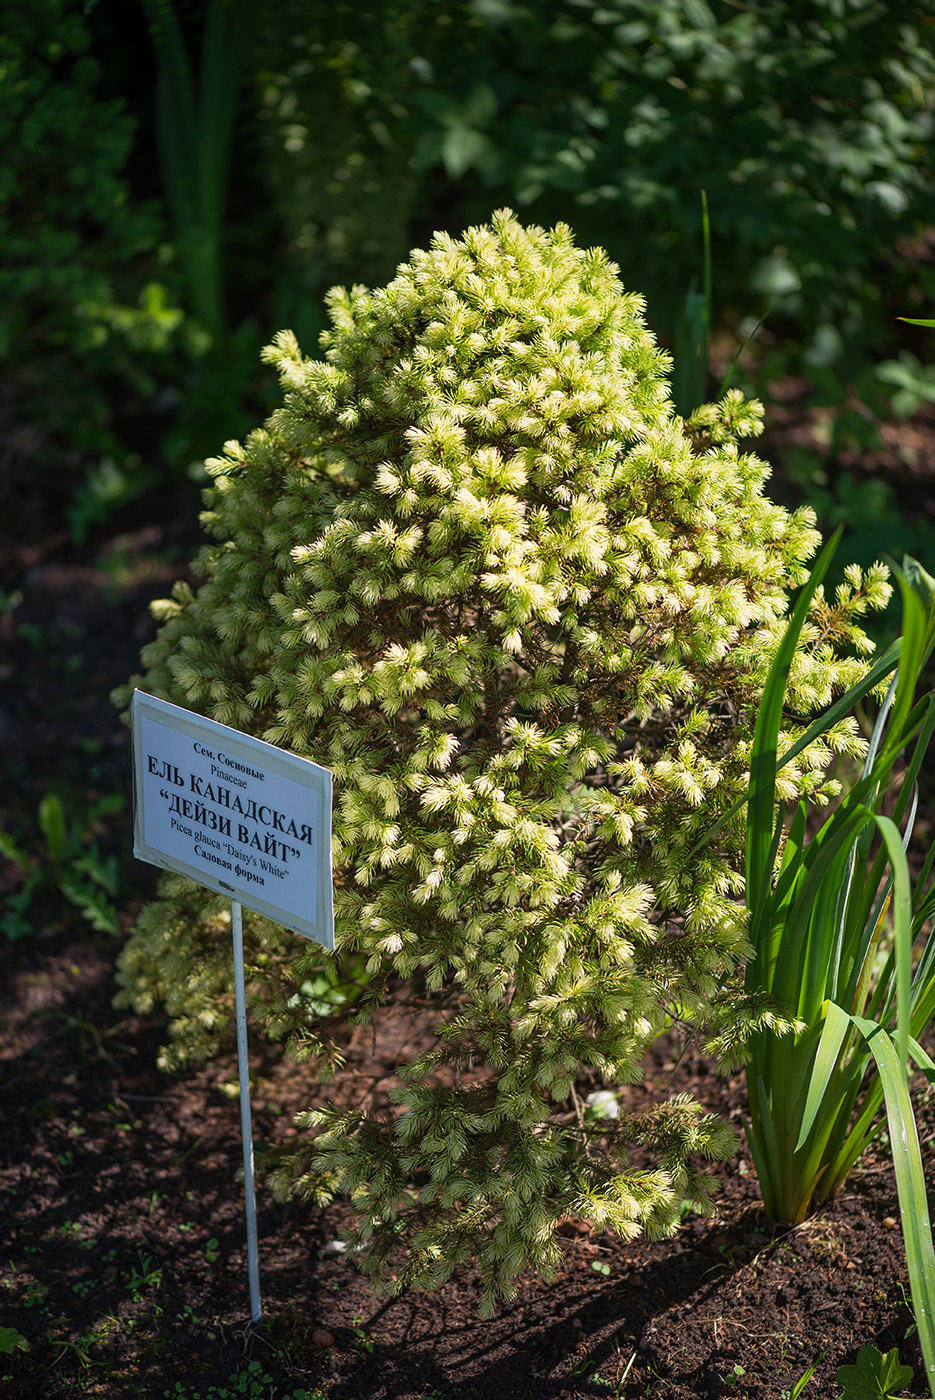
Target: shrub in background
{"points": [[336, 83], [477, 567], [199, 98], [809, 127], [76, 312]]}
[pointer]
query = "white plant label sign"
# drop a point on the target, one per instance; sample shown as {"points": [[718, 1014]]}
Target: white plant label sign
{"points": [[234, 814]]}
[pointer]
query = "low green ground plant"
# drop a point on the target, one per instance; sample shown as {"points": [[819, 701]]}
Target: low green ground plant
{"points": [[12, 1341], [252, 1382], [874, 1376], [479, 567], [70, 860]]}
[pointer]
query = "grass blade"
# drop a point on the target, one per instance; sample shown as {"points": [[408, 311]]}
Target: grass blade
{"points": [[910, 1183]]}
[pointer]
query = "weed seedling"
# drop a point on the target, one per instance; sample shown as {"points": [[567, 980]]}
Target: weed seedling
{"points": [[253, 1383], [874, 1374], [800, 1384], [363, 1340], [71, 860], [615, 1387], [143, 1277], [76, 1349], [35, 1293]]}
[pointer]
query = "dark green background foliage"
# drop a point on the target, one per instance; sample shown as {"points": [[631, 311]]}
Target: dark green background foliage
{"points": [[357, 130], [809, 125], [77, 310], [68, 229], [335, 92]]}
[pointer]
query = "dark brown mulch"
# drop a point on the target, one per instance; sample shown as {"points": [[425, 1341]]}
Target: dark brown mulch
{"points": [[123, 1262]]}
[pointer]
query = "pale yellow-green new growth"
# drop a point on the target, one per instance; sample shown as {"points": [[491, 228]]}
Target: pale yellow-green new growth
{"points": [[477, 566]]}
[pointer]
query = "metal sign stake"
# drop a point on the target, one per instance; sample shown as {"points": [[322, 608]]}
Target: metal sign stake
{"points": [[249, 821], [246, 1127]]}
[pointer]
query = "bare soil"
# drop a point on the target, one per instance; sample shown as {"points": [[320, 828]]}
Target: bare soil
{"points": [[123, 1260]]}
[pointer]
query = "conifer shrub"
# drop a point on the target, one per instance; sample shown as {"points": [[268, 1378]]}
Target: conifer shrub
{"points": [[477, 567]]}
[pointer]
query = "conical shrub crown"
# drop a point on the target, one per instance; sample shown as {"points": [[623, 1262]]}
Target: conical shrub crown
{"points": [[477, 567]]}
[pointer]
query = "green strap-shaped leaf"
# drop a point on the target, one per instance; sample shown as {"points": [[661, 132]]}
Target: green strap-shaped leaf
{"points": [[910, 1184], [902, 921], [763, 764], [843, 706], [833, 1035], [764, 1148]]}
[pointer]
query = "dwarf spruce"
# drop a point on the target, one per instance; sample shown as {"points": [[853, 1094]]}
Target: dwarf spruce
{"points": [[477, 567]]}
